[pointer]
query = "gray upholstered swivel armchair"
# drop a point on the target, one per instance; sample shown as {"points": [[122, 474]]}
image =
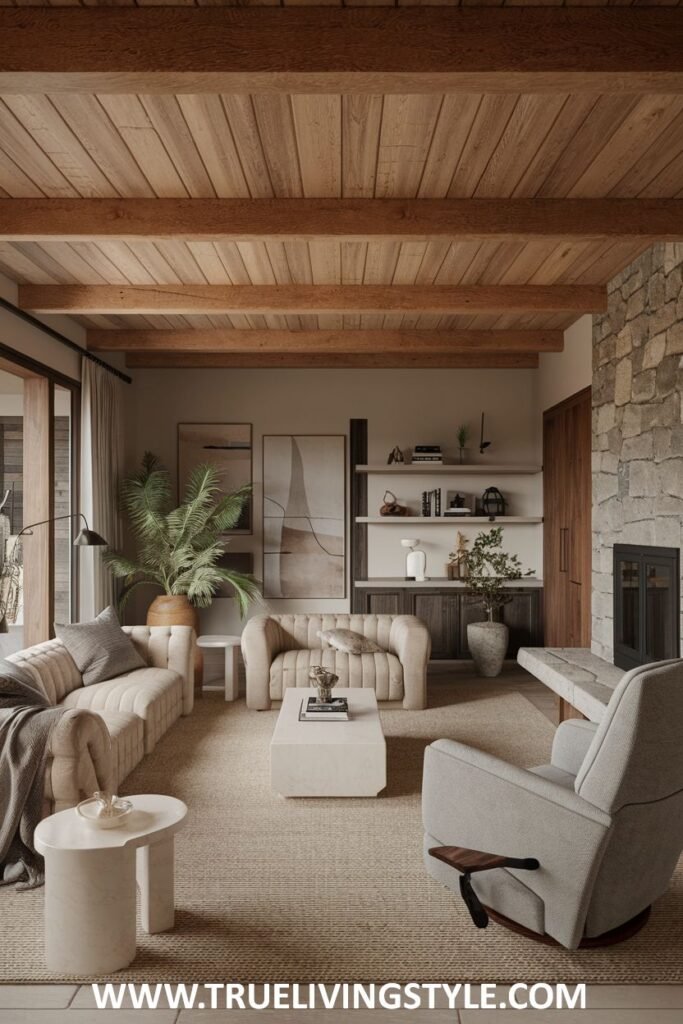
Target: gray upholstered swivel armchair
{"points": [[604, 820]]}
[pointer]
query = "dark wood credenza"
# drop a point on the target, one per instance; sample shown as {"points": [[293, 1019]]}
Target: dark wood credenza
{"points": [[446, 611]]}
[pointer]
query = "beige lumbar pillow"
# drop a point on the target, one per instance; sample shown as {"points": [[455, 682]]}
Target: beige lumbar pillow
{"points": [[349, 642]]}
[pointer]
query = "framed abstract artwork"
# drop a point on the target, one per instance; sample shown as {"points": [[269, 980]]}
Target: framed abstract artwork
{"points": [[304, 515], [228, 447]]}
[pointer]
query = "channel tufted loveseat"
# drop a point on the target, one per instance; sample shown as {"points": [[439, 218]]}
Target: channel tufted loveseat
{"points": [[279, 651]]}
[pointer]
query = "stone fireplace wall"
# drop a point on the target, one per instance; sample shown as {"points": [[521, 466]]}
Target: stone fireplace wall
{"points": [[637, 427]]}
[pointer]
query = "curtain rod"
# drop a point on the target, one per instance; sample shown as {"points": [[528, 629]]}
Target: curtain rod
{"points": [[62, 338]]}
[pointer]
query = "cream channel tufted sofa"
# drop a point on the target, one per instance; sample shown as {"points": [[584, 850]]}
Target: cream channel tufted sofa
{"points": [[279, 651], [110, 726]]}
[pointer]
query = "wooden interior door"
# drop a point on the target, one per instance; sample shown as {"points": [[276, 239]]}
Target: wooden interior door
{"points": [[567, 503]]}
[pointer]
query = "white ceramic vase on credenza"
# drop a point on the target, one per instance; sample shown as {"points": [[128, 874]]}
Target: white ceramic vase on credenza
{"points": [[488, 644]]}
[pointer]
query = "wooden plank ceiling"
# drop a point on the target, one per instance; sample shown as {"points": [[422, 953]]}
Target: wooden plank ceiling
{"points": [[554, 145]]}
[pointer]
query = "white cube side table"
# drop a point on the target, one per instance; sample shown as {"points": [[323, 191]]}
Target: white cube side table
{"points": [[90, 877], [232, 646]]}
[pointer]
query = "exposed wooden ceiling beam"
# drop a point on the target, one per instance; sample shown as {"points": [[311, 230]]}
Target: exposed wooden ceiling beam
{"points": [[187, 299], [326, 342], [246, 220], [338, 360], [326, 50]]}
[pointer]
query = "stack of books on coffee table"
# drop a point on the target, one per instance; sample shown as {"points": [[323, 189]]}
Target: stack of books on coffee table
{"points": [[335, 710]]}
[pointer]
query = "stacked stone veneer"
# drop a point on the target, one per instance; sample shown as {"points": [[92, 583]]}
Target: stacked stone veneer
{"points": [[637, 428]]}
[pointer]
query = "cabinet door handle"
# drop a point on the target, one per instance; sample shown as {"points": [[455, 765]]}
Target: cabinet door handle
{"points": [[564, 537]]}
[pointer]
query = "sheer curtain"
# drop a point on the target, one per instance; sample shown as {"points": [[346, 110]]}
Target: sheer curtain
{"points": [[101, 461]]}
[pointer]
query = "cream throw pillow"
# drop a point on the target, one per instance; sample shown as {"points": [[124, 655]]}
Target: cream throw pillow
{"points": [[349, 642]]}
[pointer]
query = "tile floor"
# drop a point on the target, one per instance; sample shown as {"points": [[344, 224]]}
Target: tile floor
{"points": [[606, 1004]]}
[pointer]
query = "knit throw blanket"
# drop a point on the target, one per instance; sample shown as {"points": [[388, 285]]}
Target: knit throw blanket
{"points": [[26, 720]]}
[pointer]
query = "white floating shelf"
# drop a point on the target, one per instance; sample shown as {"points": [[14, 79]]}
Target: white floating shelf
{"points": [[452, 470], [451, 520]]}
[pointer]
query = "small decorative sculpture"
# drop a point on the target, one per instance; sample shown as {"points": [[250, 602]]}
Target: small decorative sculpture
{"points": [[323, 681], [395, 455], [457, 567], [416, 561], [106, 804], [391, 506]]}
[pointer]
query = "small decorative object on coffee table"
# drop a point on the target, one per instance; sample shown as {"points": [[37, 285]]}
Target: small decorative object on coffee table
{"points": [[323, 681]]}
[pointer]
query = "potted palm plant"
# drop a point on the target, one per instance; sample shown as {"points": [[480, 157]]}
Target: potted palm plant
{"points": [[179, 548], [490, 568]]}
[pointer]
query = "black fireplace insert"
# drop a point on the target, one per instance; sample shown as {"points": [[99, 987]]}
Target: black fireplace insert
{"points": [[646, 604]]}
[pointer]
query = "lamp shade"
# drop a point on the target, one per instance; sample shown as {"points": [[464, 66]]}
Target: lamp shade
{"points": [[89, 539]]}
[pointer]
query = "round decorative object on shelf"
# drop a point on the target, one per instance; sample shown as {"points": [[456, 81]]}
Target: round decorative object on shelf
{"points": [[493, 503]]}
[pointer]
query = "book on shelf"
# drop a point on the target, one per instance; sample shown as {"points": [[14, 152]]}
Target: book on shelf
{"points": [[335, 710]]}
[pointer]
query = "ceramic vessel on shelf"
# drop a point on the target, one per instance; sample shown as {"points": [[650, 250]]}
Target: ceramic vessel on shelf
{"points": [[416, 560]]}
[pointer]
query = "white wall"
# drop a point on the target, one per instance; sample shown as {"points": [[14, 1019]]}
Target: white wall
{"points": [[29, 341], [402, 407], [562, 374]]}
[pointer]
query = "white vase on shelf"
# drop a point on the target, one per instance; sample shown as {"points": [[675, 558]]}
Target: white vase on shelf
{"points": [[416, 560]]}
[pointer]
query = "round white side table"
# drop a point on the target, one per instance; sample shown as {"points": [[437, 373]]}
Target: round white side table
{"points": [[232, 646], [90, 877]]}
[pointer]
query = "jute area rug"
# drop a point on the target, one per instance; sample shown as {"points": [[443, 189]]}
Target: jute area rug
{"points": [[335, 890]]}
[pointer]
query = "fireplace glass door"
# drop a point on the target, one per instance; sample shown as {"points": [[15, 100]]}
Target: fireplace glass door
{"points": [[646, 604]]}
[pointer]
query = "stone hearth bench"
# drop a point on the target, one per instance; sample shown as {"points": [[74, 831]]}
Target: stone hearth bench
{"points": [[579, 678]]}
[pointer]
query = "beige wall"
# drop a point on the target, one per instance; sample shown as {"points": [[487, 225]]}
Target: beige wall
{"points": [[403, 407], [562, 374]]}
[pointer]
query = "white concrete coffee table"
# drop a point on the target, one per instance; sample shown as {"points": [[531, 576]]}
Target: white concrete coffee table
{"points": [[231, 644], [90, 877], [329, 758]]}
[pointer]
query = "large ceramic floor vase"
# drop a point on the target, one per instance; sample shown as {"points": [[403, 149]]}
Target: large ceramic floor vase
{"points": [[488, 644], [168, 610]]}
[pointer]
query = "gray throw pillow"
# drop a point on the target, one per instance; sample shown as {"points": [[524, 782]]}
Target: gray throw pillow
{"points": [[100, 648], [349, 642]]}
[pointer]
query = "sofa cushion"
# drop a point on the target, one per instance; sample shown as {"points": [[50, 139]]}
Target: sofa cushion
{"points": [[381, 672], [100, 648], [127, 733], [349, 642], [153, 694], [51, 666]]}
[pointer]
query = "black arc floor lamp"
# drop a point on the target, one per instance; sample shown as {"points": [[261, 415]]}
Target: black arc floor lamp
{"points": [[86, 537]]}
